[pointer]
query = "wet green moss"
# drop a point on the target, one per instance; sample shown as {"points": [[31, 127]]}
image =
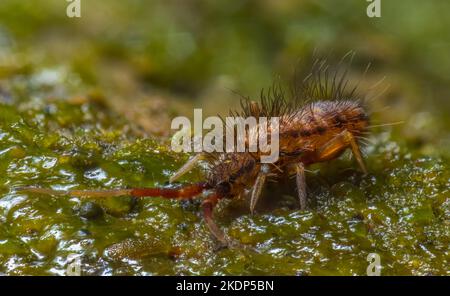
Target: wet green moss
{"points": [[58, 130], [400, 210]]}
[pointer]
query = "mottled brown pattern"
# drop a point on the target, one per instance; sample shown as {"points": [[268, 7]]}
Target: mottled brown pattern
{"points": [[302, 134]]}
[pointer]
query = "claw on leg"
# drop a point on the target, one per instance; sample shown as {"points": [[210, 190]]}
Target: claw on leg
{"points": [[256, 193], [186, 167], [301, 185], [257, 188], [356, 152]]}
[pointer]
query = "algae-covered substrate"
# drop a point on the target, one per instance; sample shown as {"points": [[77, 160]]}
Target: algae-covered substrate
{"points": [[399, 211], [70, 118]]}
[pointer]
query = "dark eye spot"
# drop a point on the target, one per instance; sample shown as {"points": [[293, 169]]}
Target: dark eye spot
{"points": [[321, 130], [294, 134], [363, 117], [305, 133], [249, 166], [339, 120], [223, 188]]}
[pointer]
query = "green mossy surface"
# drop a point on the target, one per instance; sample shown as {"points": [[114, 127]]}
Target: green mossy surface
{"points": [[58, 130]]}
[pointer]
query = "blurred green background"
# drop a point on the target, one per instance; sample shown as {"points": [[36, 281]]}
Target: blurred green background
{"points": [[202, 50], [86, 103]]}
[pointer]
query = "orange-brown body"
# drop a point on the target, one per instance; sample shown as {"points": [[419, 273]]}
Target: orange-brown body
{"points": [[308, 133], [303, 135], [317, 125]]}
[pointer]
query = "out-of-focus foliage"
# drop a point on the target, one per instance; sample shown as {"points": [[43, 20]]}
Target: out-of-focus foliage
{"points": [[79, 99], [201, 50]]}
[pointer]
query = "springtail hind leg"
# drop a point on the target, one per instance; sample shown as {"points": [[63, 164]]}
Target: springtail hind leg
{"points": [[258, 186], [301, 184], [356, 152], [347, 139]]}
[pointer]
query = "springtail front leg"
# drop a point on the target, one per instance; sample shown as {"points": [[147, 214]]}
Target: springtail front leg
{"points": [[189, 165]]}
